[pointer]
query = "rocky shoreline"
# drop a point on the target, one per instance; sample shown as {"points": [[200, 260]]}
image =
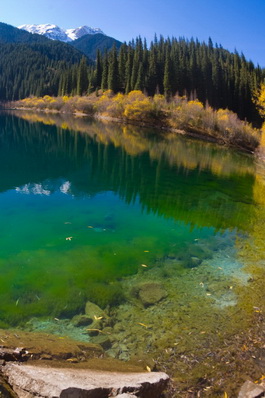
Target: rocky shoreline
{"points": [[47, 366], [22, 376]]}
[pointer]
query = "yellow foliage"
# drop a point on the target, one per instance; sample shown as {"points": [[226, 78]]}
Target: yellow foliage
{"points": [[135, 95], [181, 114], [195, 104], [259, 98], [47, 98], [64, 126], [137, 108], [262, 140], [222, 114]]}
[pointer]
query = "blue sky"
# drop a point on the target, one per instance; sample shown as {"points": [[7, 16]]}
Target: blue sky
{"points": [[232, 23]]}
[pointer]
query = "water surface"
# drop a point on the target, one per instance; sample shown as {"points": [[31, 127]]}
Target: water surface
{"points": [[92, 212]]}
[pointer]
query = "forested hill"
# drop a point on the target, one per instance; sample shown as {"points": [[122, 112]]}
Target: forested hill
{"points": [[31, 64], [34, 65], [89, 44], [10, 34], [186, 67]]}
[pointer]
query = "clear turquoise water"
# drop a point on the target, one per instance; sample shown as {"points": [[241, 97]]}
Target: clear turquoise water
{"points": [[78, 214]]}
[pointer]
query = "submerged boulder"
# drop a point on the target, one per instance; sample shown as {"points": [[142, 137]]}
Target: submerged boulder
{"points": [[94, 311], [82, 320], [150, 293]]}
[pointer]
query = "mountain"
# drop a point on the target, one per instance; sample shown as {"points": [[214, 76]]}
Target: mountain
{"points": [[54, 32], [85, 39], [89, 44], [10, 34], [76, 33], [31, 64]]}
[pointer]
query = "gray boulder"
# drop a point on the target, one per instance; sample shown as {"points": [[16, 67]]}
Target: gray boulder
{"points": [[251, 390], [43, 382]]}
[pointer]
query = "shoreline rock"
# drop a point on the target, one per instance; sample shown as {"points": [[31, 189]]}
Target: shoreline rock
{"points": [[34, 381]]}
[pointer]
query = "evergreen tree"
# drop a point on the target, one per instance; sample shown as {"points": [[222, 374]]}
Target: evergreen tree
{"points": [[113, 72], [104, 80], [82, 77], [168, 76]]}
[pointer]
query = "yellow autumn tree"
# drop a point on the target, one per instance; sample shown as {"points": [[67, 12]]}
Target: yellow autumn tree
{"points": [[259, 98]]}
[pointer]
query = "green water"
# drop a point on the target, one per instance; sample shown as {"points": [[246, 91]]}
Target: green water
{"points": [[82, 209]]}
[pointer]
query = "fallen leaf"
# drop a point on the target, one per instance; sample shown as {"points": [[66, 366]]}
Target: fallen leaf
{"points": [[148, 369], [144, 265], [142, 324]]}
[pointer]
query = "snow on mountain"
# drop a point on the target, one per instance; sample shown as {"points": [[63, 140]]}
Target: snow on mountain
{"points": [[54, 32], [82, 31]]}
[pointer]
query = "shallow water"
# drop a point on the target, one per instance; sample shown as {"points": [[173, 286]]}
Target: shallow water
{"points": [[92, 212]]}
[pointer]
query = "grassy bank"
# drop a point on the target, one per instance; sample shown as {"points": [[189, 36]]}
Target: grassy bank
{"points": [[179, 114]]}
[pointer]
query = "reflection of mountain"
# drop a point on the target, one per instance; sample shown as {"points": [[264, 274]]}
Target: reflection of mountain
{"points": [[189, 181]]}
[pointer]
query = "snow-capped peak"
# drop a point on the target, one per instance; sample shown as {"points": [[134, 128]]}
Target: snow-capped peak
{"points": [[82, 31], [51, 31], [54, 32]]}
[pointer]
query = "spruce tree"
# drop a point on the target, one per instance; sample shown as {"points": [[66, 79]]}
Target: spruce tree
{"points": [[82, 77], [113, 72]]}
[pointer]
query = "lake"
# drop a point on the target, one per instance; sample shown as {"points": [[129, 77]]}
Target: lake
{"points": [[163, 233]]}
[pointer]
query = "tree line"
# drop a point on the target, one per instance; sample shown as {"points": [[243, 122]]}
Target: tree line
{"points": [[34, 68], [172, 66]]}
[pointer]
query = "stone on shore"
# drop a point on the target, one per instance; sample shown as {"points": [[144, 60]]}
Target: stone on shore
{"points": [[34, 381], [251, 390]]}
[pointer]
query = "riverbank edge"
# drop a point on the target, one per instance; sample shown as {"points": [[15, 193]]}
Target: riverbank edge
{"points": [[36, 353], [192, 132]]}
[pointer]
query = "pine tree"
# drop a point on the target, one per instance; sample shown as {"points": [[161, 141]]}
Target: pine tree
{"points": [[98, 71], [168, 76], [104, 79], [82, 77], [113, 72]]}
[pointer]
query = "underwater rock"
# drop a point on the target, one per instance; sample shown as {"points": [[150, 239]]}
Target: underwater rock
{"points": [[251, 390], [98, 317], [31, 381], [102, 340], [82, 320], [195, 261], [151, 293], [94, 312]]}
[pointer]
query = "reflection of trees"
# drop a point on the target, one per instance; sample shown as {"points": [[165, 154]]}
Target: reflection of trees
{"points": [[191, 181], [135, 140]]}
